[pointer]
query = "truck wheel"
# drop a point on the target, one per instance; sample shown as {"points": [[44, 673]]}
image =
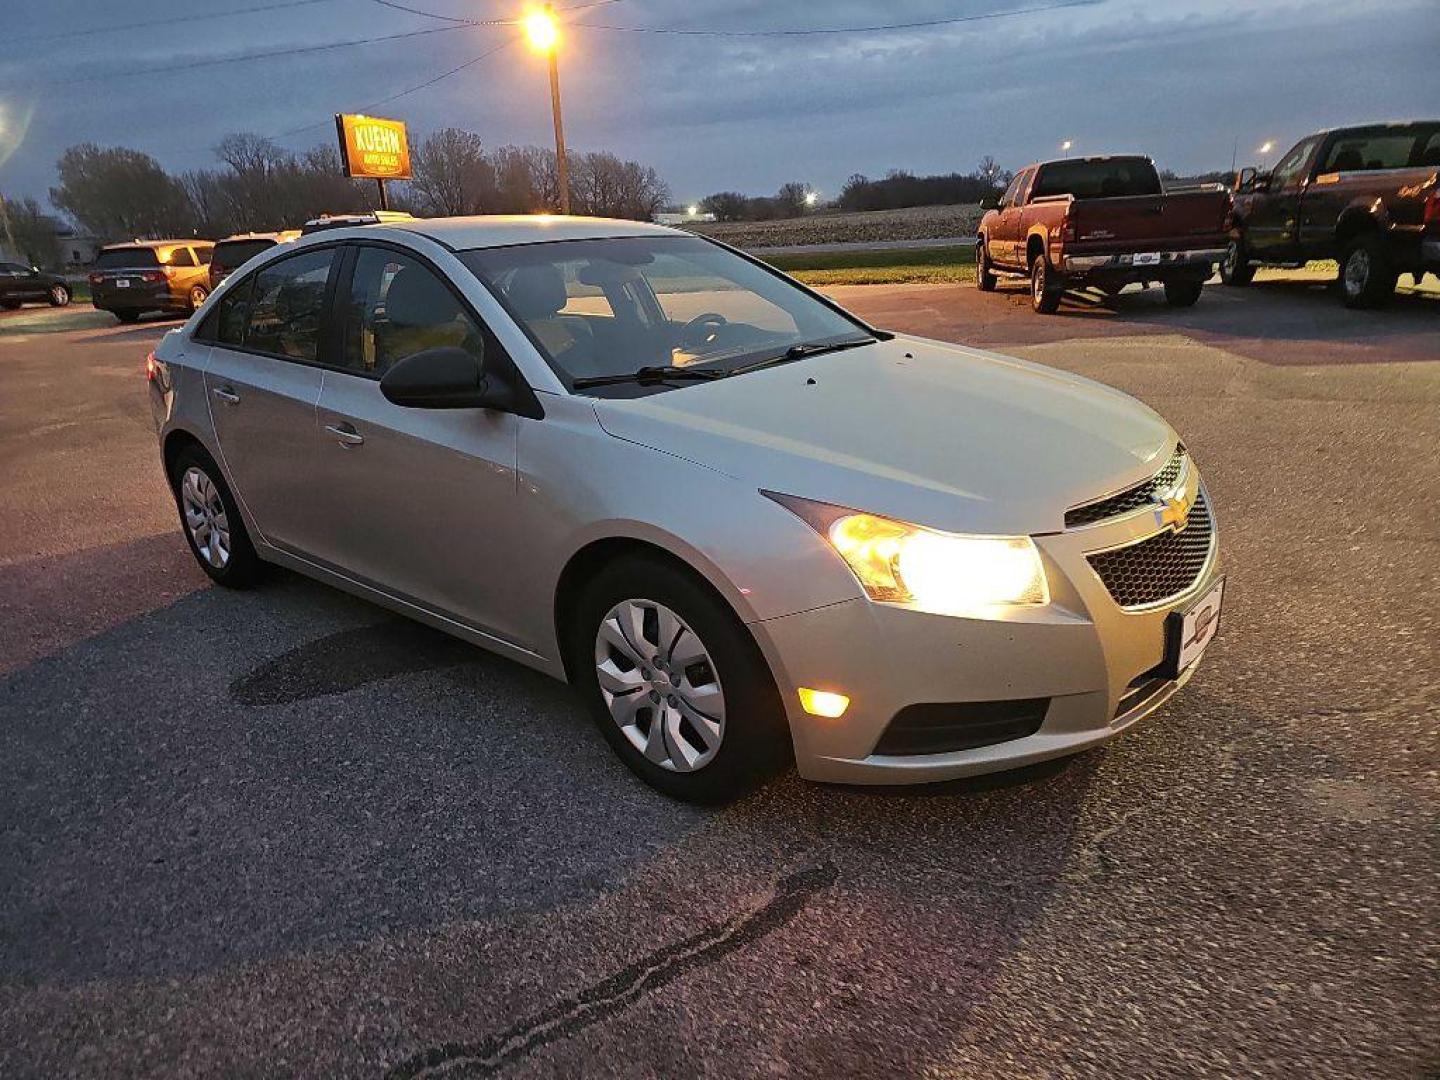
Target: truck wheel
{"points": [[1235, 268], [985, 278], [1183, 293], [1367, 280], [1046, 288]]}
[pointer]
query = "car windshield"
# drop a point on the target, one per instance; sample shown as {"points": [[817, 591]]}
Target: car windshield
{"points": [[1097, 179], [125, 258], [231, 253], [599, 308]]}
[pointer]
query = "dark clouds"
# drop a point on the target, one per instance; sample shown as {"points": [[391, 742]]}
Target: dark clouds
{"points": [[1179, 79]]}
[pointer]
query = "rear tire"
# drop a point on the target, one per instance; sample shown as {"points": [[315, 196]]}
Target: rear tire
{"points": [[211, 521], [1367, 280], [731, 683], [985, 278], [1183, 293], [59, 295], [128, 316], [1235, 267], [1046, 287]]}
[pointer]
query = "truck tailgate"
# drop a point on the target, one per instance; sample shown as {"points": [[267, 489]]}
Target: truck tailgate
{"points": [[1182, 219]]}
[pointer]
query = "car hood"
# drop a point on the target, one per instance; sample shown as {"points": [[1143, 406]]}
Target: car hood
{"points": [[935, 434]]}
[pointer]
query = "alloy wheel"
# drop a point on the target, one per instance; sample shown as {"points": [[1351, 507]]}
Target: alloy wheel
{"points": [[60, 296], [660, 685], [205, 517]]}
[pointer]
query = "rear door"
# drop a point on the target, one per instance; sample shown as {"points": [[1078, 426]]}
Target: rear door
{"points": [[1272, 227], [269, 336], [420, 502], [1005, 233]]}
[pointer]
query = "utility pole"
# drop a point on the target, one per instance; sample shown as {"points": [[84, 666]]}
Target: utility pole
{"points": [[544, 34]]}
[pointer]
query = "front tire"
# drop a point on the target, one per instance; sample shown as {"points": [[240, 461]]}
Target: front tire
{"points": [[1046, 287], [1183, 293], [985, 278], [211, 521], [59, 295], [1236, 268], [1367, 280], [676, 683]]}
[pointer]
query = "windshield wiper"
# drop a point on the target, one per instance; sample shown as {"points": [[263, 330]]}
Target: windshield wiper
{"points": [[800, 352], [650, 374]]}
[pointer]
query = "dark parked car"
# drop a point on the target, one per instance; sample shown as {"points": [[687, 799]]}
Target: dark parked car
{"points": [[345, 221], [1368, 197], [1103, 222], [20, 284], [234, 251], [151, 275]]}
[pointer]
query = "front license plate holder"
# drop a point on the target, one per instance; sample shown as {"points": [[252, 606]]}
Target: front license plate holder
{"points": [[1189, 632]]}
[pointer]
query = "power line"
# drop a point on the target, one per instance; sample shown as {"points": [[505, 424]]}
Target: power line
{"points": [[166, 22], [811, 31]]}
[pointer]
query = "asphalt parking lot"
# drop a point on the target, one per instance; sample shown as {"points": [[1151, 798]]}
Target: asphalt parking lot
{"points": [[284, 833]]}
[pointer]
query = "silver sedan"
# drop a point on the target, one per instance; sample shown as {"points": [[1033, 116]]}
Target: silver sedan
{"points": [[744, 524]]}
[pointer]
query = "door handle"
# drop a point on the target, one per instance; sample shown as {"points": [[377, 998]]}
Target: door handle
{"points": [[227, 395], [347, 435]]}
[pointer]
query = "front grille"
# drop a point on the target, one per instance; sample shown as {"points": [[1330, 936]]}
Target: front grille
{"points": [[1132, 498], [943, 728], [1160, 567]]}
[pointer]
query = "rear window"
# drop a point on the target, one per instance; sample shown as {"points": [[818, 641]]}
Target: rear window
{"points": [[232, 253], [125, 258], [1097, 179], [1383, 148]]}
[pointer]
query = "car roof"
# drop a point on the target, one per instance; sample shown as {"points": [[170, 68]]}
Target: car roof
{"points": [[258, 236], [463, 233], [158, 244]]}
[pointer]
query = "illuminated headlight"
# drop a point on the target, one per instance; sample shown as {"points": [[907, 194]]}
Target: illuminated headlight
{"points": [[946, 573]]}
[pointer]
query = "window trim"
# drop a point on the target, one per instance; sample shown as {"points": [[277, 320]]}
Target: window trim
{"points": [[326, 307]]}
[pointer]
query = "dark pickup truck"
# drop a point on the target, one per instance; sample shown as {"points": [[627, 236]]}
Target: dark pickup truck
{"points": [[1368, 197], [1103, 222]]}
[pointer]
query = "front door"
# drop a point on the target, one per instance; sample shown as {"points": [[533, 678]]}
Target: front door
{"points": [[262, 383], [1272, 227], [420, 502], [1004, 235]]}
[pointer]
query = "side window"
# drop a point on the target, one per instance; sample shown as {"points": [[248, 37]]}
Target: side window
{"points": [[1008, 199], [180, 257], [225, 325], [398, 307], [203, 253], [286, 305], [1290, 166], [1022, 190]]}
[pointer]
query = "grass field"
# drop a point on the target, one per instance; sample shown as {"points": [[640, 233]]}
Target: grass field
{"points": [[879, 267]]}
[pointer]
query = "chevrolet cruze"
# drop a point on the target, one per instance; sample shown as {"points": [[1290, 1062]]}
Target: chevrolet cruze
{"points": [[744, 524]]}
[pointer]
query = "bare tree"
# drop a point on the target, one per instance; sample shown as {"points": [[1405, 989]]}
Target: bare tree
{"points": [[452, 175], [32, 231], [988, 170], [118, 193]]}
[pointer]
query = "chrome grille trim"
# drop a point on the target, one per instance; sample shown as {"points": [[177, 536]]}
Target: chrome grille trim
{"points": [[1133, 499]]}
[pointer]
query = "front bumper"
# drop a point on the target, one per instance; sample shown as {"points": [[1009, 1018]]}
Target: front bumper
{"points": [[1192, 260], [145, 297], [1094, 661]]}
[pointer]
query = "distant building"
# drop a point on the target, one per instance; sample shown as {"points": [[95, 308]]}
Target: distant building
{"points": [[668, 217], [76, 248]]}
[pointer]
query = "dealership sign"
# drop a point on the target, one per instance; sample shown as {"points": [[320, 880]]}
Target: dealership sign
{"points": [[372, 147]]}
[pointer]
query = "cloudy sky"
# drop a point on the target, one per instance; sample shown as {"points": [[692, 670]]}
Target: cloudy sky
{"points": [[1181, 80]]}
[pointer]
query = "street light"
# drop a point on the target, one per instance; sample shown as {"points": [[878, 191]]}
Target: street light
{"points": [[544, 35], [692, 210], [811, 198], [1266, 147], [1065, 146]]}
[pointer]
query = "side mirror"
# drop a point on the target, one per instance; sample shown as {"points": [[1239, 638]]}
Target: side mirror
{"points": [[452, 378], [990, 202], [34, 269]]}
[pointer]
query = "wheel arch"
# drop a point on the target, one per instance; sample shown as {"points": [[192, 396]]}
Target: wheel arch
{"points": [[1037, 243], [586, 561], [1353, 221], [177, 440]]}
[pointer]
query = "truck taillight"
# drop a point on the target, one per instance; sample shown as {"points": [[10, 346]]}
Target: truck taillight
{"points": [[153, 275], [1067, 229]]}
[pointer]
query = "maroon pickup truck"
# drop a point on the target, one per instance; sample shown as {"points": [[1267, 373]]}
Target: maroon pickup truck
{"points": [[1102, 222], [1367, 197]]}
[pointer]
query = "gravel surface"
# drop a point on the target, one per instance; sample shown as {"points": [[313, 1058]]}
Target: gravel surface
{"points": [[283, 833]]}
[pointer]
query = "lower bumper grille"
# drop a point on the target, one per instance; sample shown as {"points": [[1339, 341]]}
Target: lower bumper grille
{"points": [[1160, 567], [946, 728]]}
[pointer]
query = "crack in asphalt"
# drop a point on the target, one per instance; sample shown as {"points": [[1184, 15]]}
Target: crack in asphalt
{"points": [[611, 995]]}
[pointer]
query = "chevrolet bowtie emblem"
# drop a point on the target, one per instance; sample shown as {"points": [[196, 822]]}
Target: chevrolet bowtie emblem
{"points": [[1174, 512]]}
